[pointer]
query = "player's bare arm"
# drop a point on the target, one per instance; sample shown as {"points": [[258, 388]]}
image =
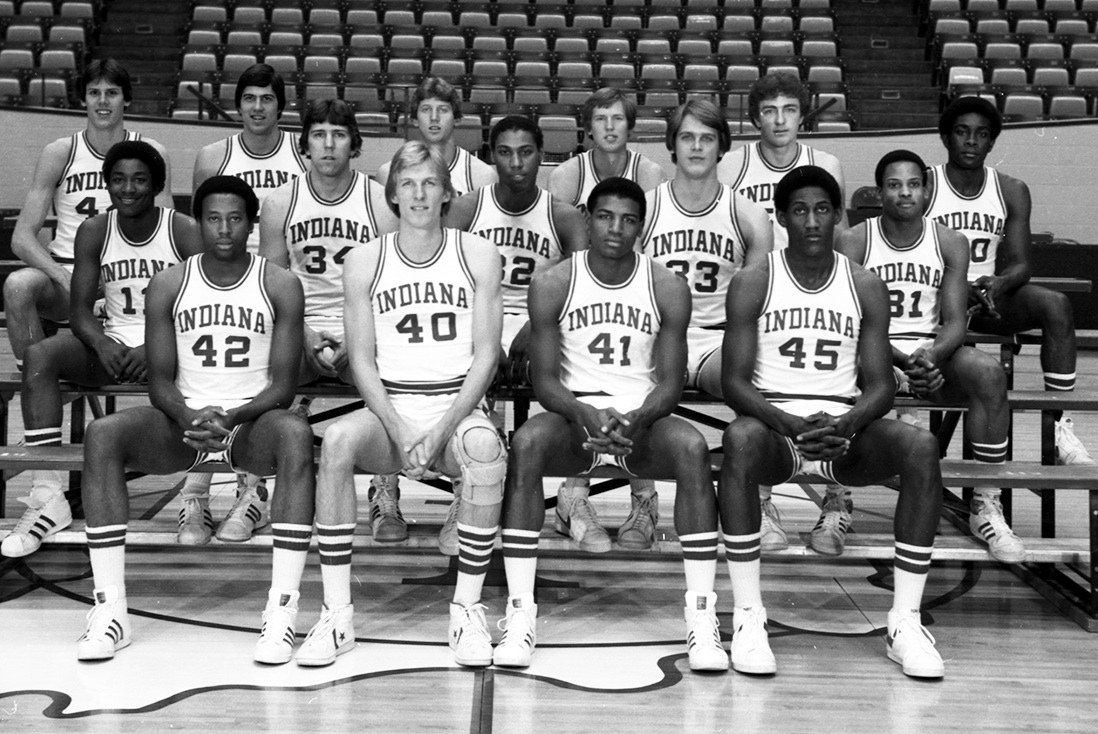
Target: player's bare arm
{"points": [[1014, 258], [383, 173], [208, 162], [731, 165], [564, 180], [952, 296], [649, 175], [386, 221], [90, 237], [164, 198], [482, 174], [758, 232], [462, 210], [160, 341], [571, 227], [187, 235], [831, 164], [32, 217], [874, 356]]}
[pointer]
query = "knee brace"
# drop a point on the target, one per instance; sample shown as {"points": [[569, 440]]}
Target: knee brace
{"points": [[483, 459]]}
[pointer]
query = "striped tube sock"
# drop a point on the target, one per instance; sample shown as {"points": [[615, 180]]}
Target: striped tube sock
{"points": [[520, 560], [335, 562], [107, 552], [474, 555], [910, 566], [990, 453], [291, 548], [699, 560], [743, 554], [1060, 381]]}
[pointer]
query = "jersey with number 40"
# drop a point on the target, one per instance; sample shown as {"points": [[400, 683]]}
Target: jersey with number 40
{"points": [[981, 218]]}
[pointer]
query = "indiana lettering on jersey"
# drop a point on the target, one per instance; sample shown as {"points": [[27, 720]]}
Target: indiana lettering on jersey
{"points": [[522, 239], [909, 273], [244, 318], [976, 221], [264, 179], [134, 268], [85, 181], [594, 314], [330, 227], [760, 194], [410, 294], [694, 240], [807, 317]]}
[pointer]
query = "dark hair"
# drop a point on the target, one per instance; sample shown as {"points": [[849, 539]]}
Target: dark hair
{"points": [[434, 87], [335, 112], [604, 98], [226, 185], [413, 153], [803, 177], [704, 112], [262, 75], [519, 123], [141, 151], [108, 69], [779, 84], [620, 187], [896, 156], [965, 105]]}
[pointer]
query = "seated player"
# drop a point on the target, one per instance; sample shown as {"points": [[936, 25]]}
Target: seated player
{"points": [[608, 360], [805, 329], [423, 318], [220, 382], [119, 250], [924, 265], [992, 210]]}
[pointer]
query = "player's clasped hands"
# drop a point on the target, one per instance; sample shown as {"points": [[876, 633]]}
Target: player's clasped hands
{"points": [[124, 364], [819, 439], [608, 433], [923, 376], [325, 353], [209, 428]]}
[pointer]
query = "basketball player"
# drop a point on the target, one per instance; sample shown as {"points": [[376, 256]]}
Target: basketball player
{"points": [[924, 265], [424, 313], [805, 329], [265, 157], [224, 335], [119, 250], [436, 105], [991, 209], [608, 360], [68, 179], [608, 117], [777, 105]]}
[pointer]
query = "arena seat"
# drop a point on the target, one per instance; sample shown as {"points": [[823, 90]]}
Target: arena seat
{"points": [[61, 33], [1007, 72], [1023, 105], [36, 8], [249, 16], [776, 23], [561, 135], [16, 59], [284, 64], [1049, 73], [816, 24], [243, 38], [57, 59], [23, 33], [209, 14], [738, 24], [1045, 50], [657, 23], [1067, 104], [361, 18], [286, 39], [1002, 50]]}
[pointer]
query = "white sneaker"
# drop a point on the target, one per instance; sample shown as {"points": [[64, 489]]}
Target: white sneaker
{"points": [[829, 536], [638, 532], [520, 635], [750, 643], [469, 636], [195, 522], [41, 519], [910, 645], [1069, 449], [577, 518], [448, 536], [108, 628], [773, 537], [276, 638], [333, 635], [987, 522], [249, 513], [703, 637]]}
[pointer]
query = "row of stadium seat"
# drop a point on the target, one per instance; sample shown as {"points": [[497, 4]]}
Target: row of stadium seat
{"points": [[1065, 24], [934, 7], [47, 9], [1022, 72], [1032, 103], [49, 57]]}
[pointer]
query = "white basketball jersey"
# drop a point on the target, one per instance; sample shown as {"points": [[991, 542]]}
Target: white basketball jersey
{"points": [[81, 193], [607, 332], [980, 218], [914, 278], [319, 236], [527, 242], [808, 339], [588, 178], [461, 171], [423, 317], [125, 269], [704, 247], [264, 173], [757, 180], [223, 336]]}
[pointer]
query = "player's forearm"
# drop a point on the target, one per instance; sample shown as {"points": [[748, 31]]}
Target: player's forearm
{"points": [[26, 247], [949, 339], [166, 397], [659, 403], [88, 328], [744, 398], [872, 404], [1013, 276], [272, 398], [472, 392]]}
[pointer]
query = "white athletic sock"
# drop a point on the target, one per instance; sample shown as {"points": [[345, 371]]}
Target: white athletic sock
{"points": [[909, 567], [572, 489], [196, 486], [107, 553], [765, 492], [291, 550], [642, 488], [699, 560], [743, 555]]}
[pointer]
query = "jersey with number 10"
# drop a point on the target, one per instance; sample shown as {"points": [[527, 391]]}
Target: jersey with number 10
{"points": [[319, 236], [981, 217]]}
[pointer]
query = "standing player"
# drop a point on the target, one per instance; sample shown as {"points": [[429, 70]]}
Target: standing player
{"points": [[219, 388], [924, 265], [608, 360], [777, 104], [68, 178], [424, 313], [992, 210], [805, 329], [119, 250], [436, 105], [608, 117]]}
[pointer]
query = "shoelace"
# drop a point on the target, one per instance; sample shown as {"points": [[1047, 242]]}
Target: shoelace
{"points": [[472, 622], [243, 502], [641, 517], [583, 511], [385, 502], [99, 621], [707, 624], [27, 521], [992, 511]]}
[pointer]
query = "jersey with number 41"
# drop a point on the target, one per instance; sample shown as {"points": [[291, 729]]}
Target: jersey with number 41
{"points": [[319, 236]]}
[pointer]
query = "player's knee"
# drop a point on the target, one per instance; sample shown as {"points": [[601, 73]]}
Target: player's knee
{"points": [[741, 435], [922, 447], [102, 439], [20, 289], [294, 434], [341, 443], [483, 459]]}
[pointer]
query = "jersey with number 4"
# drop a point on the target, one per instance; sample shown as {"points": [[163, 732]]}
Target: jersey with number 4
{"points": [[526, 240], [223, 336], [808, 339], [319, 236], [81, 193], [913, 275], [705, 247], [981, 218], [423, 317]]}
